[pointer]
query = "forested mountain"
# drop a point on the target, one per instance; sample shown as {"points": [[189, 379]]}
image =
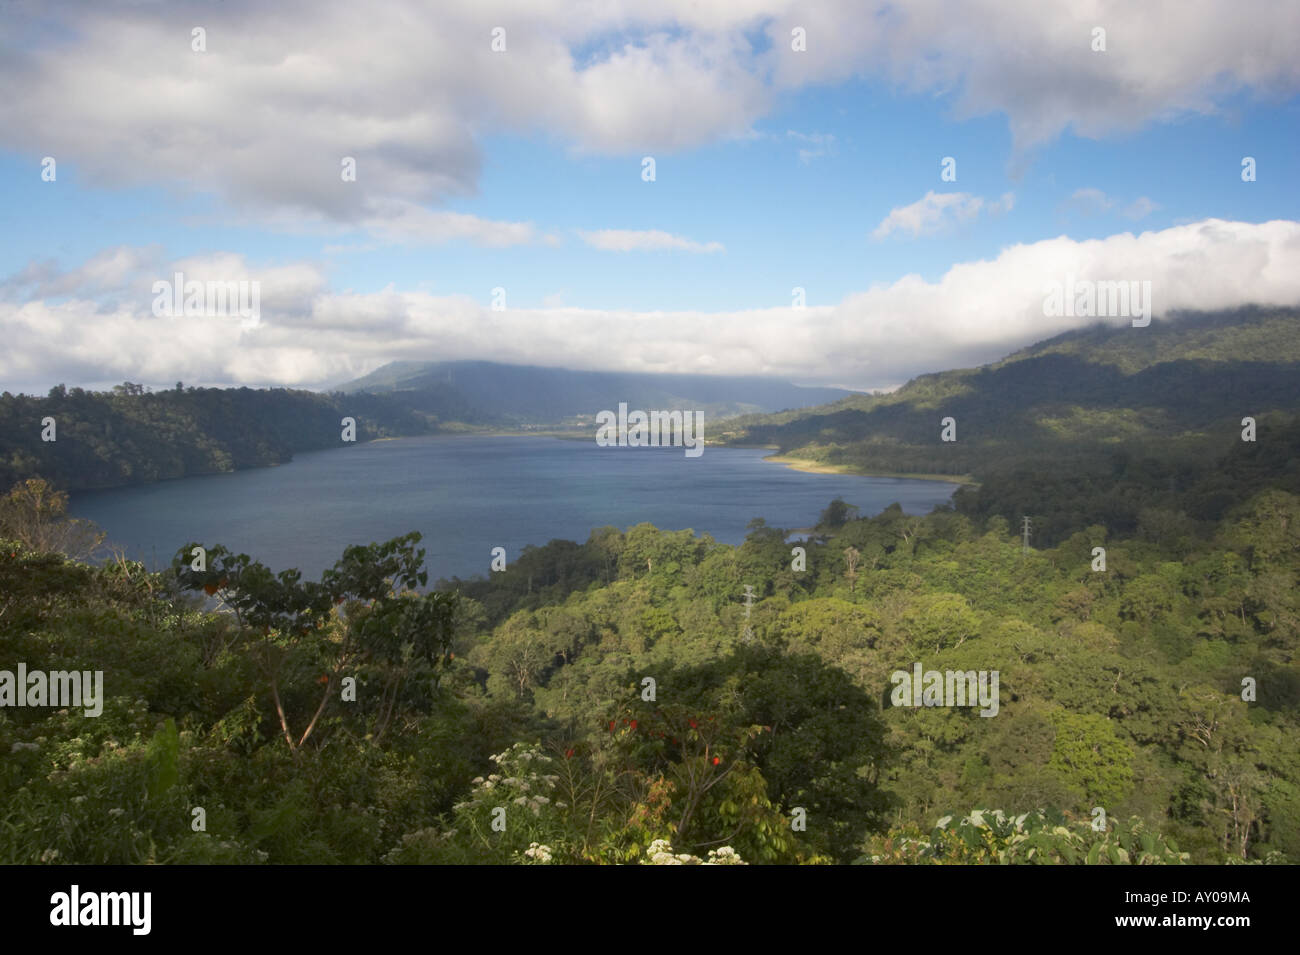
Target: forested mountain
{"points": [[130, 436], [1104, 417], [489, 392]]}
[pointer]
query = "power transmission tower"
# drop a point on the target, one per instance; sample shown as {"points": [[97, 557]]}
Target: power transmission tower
{"points": [[1027, 528]]}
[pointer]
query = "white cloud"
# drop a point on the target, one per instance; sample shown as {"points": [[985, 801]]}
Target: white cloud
{"points": [[1090, 200], [1005, 204], [816, 145], [1140, 208], [105, 272], [398, 221], [1093, 201], [936, 211], [310, 336], [1033, 61], [652, 240], [286, 90]]}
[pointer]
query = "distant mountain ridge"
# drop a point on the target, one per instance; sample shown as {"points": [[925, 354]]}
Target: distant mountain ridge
{"points": [[482, 392], [1193, 361], [1249, 335], [1087, 407], [1101, 415]]}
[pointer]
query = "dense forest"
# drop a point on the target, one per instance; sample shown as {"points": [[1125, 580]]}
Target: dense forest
{"points": [[524, 699], [132, 435], [650, 695]]}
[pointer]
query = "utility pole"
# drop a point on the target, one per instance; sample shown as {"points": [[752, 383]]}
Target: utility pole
{"points": [[1025, 550], [749, 605]]}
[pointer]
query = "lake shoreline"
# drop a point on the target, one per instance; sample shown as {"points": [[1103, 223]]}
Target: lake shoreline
{"points": [[806, 465], [467, 494], [819, 467]]}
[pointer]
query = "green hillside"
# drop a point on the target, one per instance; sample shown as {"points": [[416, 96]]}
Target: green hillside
{"points": [[1084, 412], [1268, 336], [131, 436]]}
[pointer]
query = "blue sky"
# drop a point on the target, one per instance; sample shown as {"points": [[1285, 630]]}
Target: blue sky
{"points": [[770, 174], [783, 220]]}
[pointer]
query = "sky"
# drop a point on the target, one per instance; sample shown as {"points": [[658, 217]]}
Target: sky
{"points": [[742, 187]]}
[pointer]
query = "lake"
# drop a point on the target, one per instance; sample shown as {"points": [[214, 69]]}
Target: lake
{"points": [[469, 493]]}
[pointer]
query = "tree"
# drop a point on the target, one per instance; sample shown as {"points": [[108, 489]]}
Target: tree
{"points": [[521, 653], [35, 514], [1090, 758], [838, 513], [851, 558], [387, 627], [944, 619], [822, 747]]}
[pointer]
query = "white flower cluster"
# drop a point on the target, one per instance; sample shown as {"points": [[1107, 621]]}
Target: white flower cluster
{"points": [[522, 752], [414, 842], [535, 803], [520, 764], [725, 856], [661, 853], [538, 853]]}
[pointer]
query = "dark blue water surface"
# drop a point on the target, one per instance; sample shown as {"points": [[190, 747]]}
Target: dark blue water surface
{"points": [[468, 494]]}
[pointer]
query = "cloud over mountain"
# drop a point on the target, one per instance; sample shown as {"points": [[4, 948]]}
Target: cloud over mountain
{"points": [[311, 335]]}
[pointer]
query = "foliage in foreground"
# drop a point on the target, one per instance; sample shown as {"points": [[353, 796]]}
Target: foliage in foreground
{"points": [[225, 692], [1031, 838]]}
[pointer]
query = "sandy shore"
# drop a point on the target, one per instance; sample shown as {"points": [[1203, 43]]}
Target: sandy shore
{"points": [[818, 467]]}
